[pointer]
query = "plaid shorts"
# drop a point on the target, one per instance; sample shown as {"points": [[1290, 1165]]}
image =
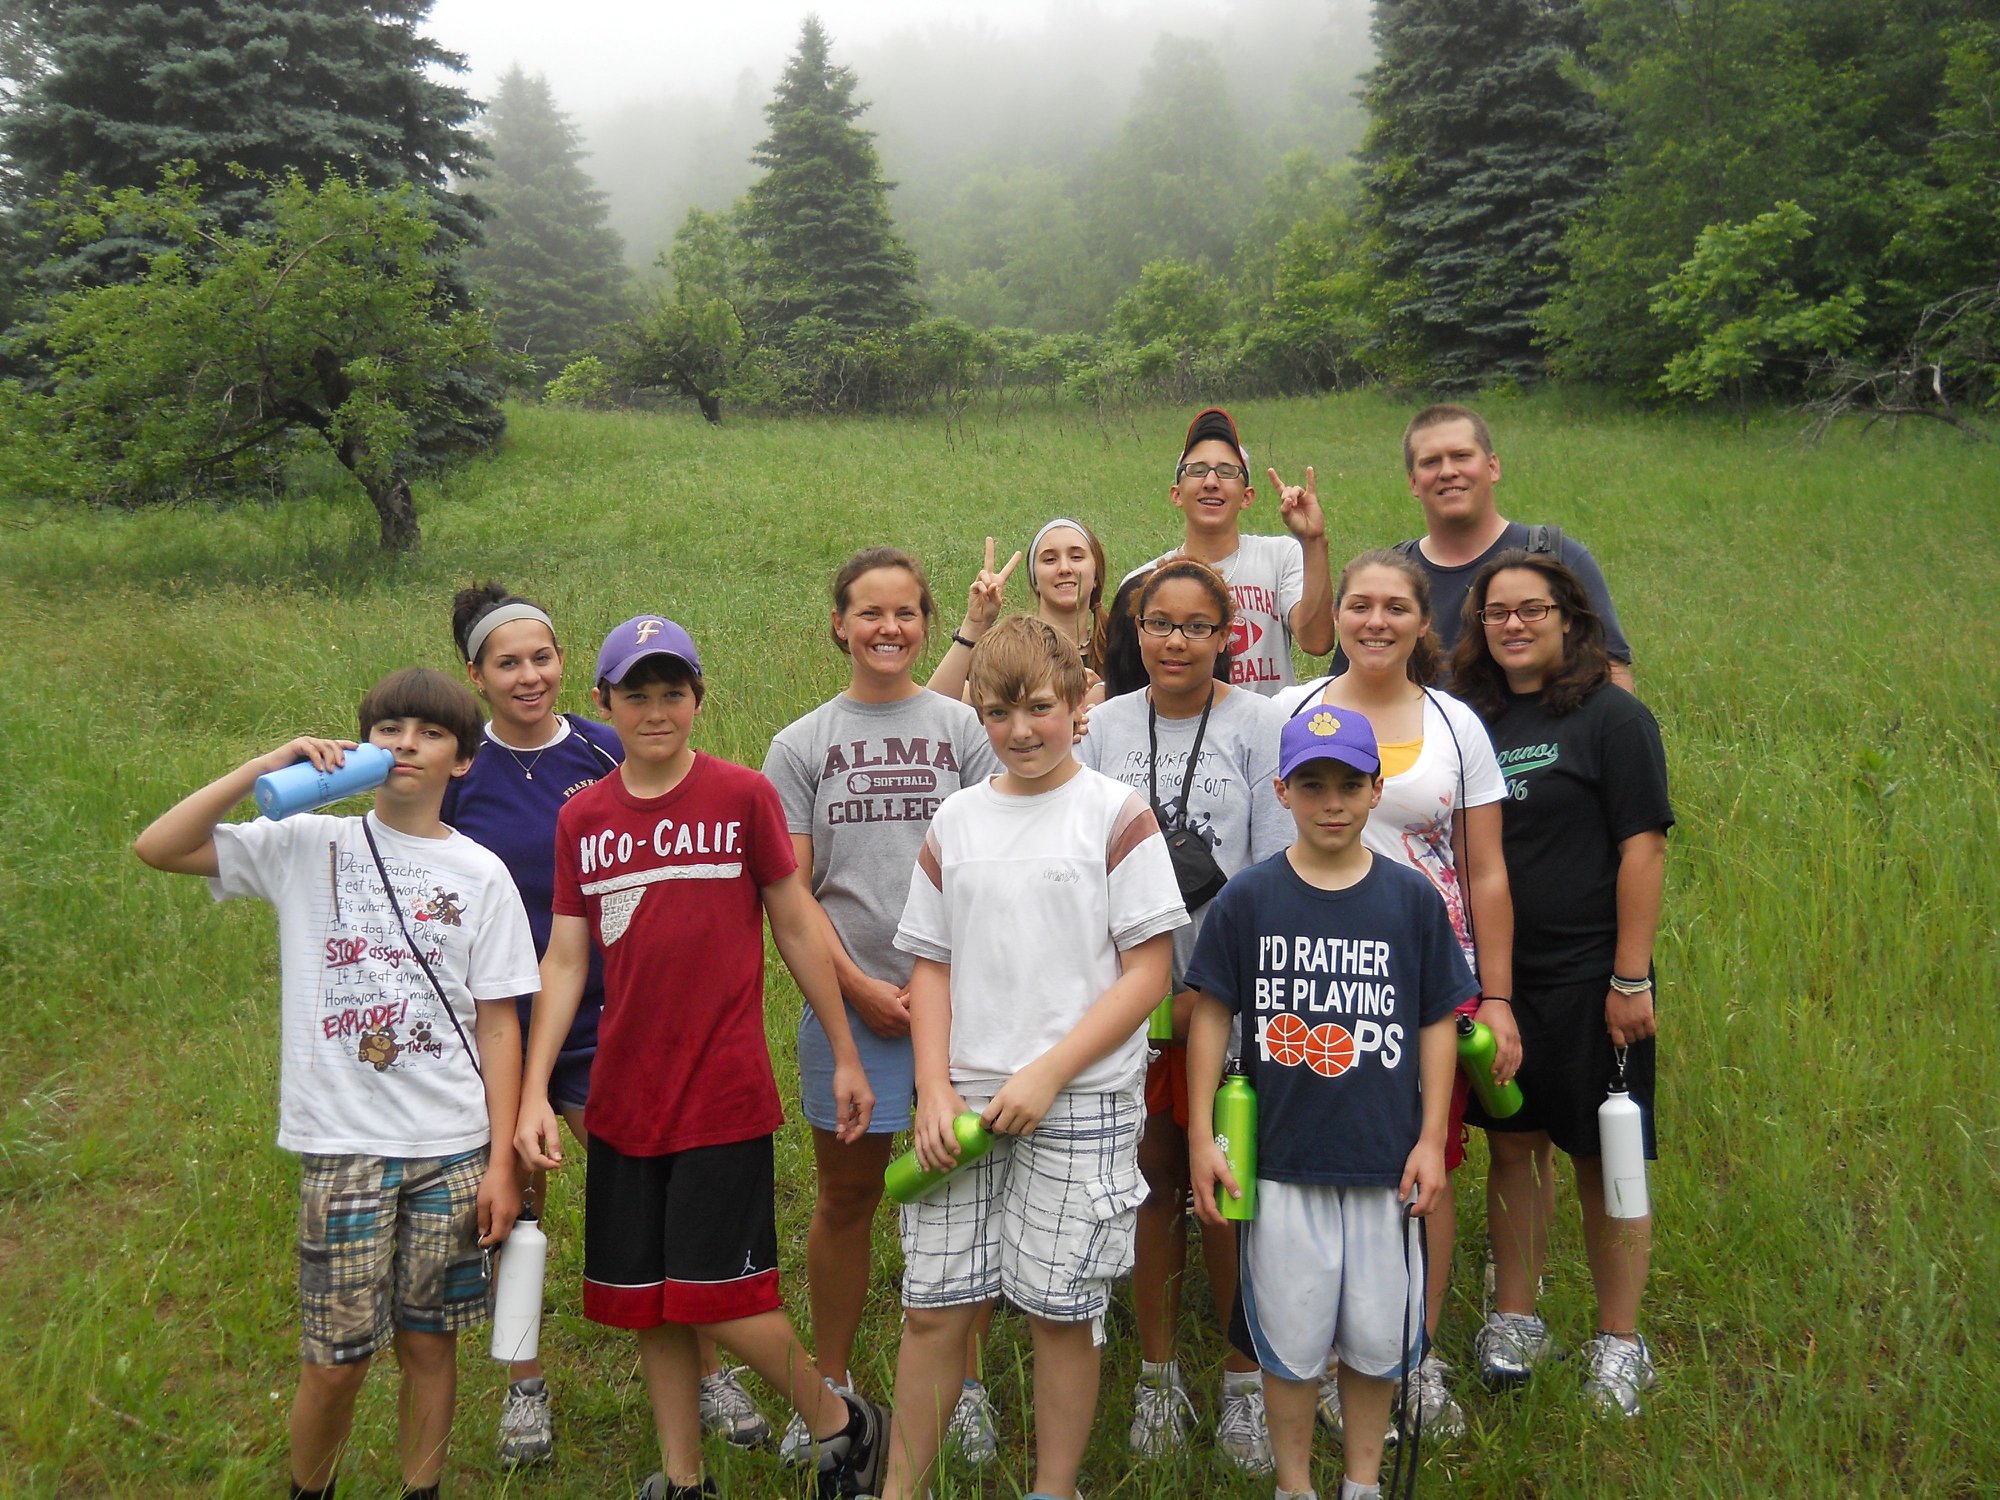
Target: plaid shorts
{"points": [[1045, 1219], [387, 1242]]}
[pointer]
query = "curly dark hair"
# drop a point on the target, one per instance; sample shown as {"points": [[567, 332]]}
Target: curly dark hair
{"points": [[1479, 679]]}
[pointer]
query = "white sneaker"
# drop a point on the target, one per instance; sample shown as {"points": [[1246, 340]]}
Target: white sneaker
{"points": [[1162, 1418], [1442, 1416], [1241, 1431], [796, 1446], [728, 1411], [1618, 1372], [1509, 1346], [972, 1428], [1328, 1408], [527, 1423]]}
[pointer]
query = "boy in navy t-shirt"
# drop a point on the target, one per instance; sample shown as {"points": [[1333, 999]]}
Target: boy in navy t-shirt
{"points": [[1345, 972]]}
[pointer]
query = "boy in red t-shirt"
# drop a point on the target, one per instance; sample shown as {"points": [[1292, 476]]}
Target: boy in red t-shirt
{"points": [[680, 1230]]}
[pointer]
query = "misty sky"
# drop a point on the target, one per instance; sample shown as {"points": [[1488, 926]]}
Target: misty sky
{"points": [[599, 53]]}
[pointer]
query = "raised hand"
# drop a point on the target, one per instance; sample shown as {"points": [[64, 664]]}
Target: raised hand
{"points": [[1298, 506], [983, 599]]}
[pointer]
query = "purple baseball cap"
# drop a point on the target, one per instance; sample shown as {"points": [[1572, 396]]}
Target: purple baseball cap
{"points": [[640, 637], [1323, 733]]}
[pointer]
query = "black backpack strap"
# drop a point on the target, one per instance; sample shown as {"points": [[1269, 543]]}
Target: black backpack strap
{"points": [[471, 1052], [1409, 548], [1546, 540]]}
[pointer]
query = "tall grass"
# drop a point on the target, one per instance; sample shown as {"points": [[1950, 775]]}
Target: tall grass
{"points": [[1814, 628]]}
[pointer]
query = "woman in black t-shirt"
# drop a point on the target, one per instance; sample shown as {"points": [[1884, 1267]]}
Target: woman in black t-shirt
{"points": [[1584, 831]]}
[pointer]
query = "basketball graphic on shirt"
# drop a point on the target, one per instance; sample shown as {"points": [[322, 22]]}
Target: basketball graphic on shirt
{"points": [[1329, 1049], [1285, 1040]]}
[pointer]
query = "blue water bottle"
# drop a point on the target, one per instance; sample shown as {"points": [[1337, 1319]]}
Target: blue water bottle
{"points": [[302, 786]]}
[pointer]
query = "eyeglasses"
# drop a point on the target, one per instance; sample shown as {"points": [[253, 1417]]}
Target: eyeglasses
{"points": [[1533, 610], [1199, 470], [1193, 630]]}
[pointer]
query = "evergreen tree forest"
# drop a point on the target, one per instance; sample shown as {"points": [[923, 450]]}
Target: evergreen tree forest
{"points": [[552, 269], [1721, 200]]}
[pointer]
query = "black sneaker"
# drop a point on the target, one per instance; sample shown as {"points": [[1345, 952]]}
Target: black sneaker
{"points": [[855, 1467], [657, 1488]]}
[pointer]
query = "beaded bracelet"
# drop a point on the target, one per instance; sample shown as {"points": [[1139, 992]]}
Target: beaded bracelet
{"points": [[1626, 986]]}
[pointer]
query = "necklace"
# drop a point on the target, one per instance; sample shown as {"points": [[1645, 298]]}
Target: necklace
{"points": [[527, 766]]}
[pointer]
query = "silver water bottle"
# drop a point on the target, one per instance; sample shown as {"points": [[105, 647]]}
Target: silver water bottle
{"points": [[517, 1294], [1621, 1138]]}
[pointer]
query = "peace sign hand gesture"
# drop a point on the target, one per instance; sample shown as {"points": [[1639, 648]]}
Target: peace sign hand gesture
{"points": [[982, 600], [1298, 506]]}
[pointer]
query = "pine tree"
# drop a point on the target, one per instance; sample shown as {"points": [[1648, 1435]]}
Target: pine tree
{"points": [[823, 244], [124, 91], [1482, 146], [556, 272]]}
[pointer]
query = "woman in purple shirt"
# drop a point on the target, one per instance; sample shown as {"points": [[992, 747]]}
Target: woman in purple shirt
{"points": [[533, 760]]}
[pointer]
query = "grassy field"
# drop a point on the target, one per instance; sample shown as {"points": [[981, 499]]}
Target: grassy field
{"points": [[1815, 629]]}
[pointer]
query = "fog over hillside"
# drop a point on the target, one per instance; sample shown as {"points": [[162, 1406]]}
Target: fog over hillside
{"points": [[671, 114]]}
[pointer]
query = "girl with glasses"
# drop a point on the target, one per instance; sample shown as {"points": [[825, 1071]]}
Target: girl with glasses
{"points": [[1585, 836], [1439, 815], [1206, 755]]}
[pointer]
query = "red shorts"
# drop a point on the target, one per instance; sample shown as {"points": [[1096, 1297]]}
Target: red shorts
{"points": [[1166, 1083], [1455, 1133]]}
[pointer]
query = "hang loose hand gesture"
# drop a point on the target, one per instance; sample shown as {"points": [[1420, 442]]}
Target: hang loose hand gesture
{"points": [[1298, 506]]}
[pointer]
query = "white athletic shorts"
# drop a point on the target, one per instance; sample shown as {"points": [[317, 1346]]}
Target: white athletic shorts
{"points": [[1332, 1268], [1046, 1220]]}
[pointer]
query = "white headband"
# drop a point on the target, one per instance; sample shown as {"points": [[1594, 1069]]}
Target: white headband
{"points": [[1036, 545], [494, 618]]}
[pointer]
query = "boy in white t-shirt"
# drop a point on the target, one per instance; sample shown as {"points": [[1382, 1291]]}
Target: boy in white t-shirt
{"points": [[400, 942], [1282, 585], [1041, 915]]}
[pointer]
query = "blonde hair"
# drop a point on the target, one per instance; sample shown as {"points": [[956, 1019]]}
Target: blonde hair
{"points": [[1019, 656]]}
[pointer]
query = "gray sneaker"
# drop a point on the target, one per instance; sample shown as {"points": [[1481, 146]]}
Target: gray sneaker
{"points": [[1329, 1411], [657, 1488], [728, 1411], [527, 1423], [1509, 1347], [1162, 1418], [1241, 1431], [972, 1429], [796, 1446], [1616, 1373], [1442, 1416]]}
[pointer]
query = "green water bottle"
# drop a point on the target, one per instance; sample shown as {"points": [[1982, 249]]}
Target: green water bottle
{"points": [[1476, 1048], [1161, 1027], [906, 1178], [1236, 1134]]}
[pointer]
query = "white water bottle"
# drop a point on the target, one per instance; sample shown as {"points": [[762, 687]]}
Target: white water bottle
{"points": [[1621, 1138], [517, 1299]]}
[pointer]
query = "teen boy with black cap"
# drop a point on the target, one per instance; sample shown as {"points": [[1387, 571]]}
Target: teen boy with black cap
{"points": [[1282, 585]]}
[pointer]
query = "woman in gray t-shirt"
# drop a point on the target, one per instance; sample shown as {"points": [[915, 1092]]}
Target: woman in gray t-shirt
{"points": [[860, 778]]}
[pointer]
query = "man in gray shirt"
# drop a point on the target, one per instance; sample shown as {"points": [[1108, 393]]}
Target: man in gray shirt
{"points": [[1448, 453]]}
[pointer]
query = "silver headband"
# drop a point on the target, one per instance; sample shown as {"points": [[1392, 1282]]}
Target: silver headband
{"points": [[1036, 545], [494, 618]]}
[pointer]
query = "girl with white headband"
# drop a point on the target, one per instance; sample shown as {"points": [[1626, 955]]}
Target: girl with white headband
{"points": [[535, 759], [1066, 572]]}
